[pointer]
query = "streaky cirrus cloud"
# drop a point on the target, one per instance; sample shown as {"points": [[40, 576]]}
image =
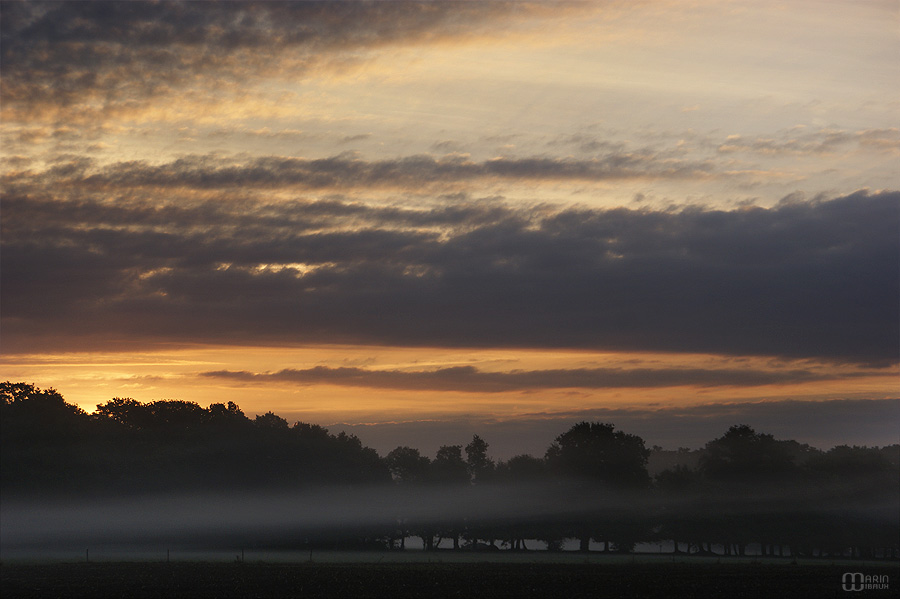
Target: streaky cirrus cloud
{"points": [[347, 171], [802, 279], [471, 379], [814, 142], [72, 58]]}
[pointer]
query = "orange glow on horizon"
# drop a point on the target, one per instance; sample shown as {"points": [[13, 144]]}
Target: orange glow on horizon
{"points": [[88, 379]]}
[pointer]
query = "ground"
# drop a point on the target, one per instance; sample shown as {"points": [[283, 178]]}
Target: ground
{"points": [[614, 578]]}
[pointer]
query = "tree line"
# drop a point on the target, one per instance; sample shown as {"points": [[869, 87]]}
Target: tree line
{"points": [[591, 485]]}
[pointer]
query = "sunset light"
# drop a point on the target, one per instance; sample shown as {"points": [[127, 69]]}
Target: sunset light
{"points": [[433, 298], [381, 212]]}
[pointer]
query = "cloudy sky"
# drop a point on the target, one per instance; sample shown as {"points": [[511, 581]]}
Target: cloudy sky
{"points": [[424, 220]]}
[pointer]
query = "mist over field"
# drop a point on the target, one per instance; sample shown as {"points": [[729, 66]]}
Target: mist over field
{"points": [[295, 520], [174, 473], [259, 517]]}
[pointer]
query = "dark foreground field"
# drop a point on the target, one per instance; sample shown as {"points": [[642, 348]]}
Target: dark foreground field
{"points": [[545, 580]]}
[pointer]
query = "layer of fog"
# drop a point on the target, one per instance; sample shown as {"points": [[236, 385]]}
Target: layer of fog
{"points": [[290, 518]]}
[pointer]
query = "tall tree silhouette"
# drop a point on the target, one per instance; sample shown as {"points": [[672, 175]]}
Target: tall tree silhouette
{"points": [[480, 466], [604, 460], [597, 452], [408, 466], [44, 440], [742, 454], [449, 467]]}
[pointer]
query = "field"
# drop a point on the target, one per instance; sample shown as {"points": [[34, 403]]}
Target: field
{"points": [[497, 578]]}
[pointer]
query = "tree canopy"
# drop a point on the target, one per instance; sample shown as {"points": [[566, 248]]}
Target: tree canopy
{"points": [[597, 452]]}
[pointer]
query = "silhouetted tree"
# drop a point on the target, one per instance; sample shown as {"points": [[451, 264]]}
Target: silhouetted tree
{"points": [[743, 455], [677, 487], [410, 468], [29, 411], [229, 413], [177, 415], [850, 478], [597, 452], [449, 467], [523, 469], [843, 462], [272, 422], [180, 443], [407, 465], [526, 474], [45, 442], [126, 411], [480, 466]]}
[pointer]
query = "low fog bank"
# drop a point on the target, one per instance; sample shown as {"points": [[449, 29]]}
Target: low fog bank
{"points": [[373, 515], [175, 472], [187, 517]]}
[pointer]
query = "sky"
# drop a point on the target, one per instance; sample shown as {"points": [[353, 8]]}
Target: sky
{"points": [[421, 221]]}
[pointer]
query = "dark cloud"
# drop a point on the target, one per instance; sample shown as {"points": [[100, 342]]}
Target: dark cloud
{"points": [[802, 279], [67, 55], [358, 137], [587, 143], [470, 379]]}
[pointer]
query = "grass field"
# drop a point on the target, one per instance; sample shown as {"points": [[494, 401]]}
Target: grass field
{"points": [[436, 579]]}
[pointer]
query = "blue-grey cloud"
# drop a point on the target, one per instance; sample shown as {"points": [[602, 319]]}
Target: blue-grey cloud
{"points": [[473, 380], [93, 57], [803, 279]]}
